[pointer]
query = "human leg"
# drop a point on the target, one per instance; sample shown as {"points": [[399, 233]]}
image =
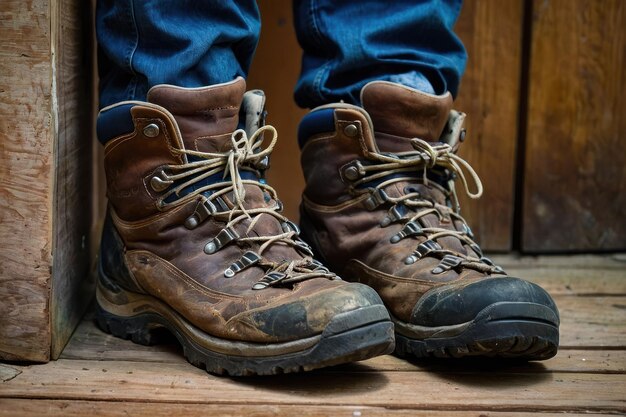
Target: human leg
{"points": [[187, 43], [349, 43]]}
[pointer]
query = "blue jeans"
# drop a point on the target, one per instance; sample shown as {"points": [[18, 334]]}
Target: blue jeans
{"points": [[192, 43]]}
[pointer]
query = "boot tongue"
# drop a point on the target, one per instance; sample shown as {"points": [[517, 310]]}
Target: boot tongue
{"points": [[401, 113], [205, 116]]}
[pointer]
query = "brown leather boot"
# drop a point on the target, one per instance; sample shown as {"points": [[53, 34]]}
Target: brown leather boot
{"points": [[195, 243], [380, 208]]}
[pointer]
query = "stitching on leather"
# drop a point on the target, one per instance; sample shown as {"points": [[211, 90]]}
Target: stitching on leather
{"points": [[388, 277], [333, 209], [186, 278], [119, 223], [109, 147]]}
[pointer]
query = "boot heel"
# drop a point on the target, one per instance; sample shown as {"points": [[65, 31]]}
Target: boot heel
{"points": [[142, 329]]}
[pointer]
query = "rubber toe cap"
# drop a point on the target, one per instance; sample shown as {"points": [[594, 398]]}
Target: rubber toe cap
{"points": [[460, 302]]}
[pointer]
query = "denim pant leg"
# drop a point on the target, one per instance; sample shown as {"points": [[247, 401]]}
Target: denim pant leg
{"points": [[346, 44], [189, 43]]}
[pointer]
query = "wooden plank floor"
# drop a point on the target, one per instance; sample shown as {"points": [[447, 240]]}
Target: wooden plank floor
{"points": [[101, 375]]}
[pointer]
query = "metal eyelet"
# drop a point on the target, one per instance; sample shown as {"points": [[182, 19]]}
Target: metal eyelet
{"points": [[247, 260], [289, 226], [447, 263], [268, 280], [160, 181], [263, 164], [377, 198], [395, 213], [353, 171], [409, 229], [223, 238], [466, 229], [351, 130], [203, 210], [151, 131], [422, 250]]}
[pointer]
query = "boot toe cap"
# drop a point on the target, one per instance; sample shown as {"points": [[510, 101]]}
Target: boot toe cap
{"points": [[455, 303], [311, 315]]}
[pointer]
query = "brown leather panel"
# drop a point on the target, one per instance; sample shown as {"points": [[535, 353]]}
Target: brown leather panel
{"points": [[202, 112], [404, 112], [351, 238], [167, 258], [323, 157], [129, 160]]}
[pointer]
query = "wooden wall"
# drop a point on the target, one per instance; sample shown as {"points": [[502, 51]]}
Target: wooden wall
{"points": [[73, 139], [574, 190], [490, 91], [45, 166], [544, 93], [26, 177]]}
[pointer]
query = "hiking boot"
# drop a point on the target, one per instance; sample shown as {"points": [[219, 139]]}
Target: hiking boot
{"points": [[380, 208], [194, 243]]}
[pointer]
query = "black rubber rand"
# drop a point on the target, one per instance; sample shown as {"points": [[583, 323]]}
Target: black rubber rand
{"points": [[342, 341], [512, 330]]}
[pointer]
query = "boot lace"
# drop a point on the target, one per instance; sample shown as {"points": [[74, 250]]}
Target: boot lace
{"points": [[246, 155], [411, 206]]}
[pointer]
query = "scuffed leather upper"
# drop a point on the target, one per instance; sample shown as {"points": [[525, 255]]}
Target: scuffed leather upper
{"points": [[164, 258], [350, 237]]}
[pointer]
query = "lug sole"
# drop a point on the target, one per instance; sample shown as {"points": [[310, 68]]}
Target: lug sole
{"points": [[522, 331], [351, 336]]}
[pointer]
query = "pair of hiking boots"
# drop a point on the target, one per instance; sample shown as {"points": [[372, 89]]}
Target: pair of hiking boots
{"points": [[195, 242]]}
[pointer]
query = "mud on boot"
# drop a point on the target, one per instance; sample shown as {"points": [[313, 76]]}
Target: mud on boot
{"points": [[195, 243], [380, 208]]}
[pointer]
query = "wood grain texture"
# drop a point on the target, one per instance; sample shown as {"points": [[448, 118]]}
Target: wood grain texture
{"points": [[583, 275], [26, 178], [45, 181], [37, 408], [181, 383], [575, 174], [491, 31], [72, 284]]}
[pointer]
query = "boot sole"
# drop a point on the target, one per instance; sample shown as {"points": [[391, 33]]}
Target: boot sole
{"points": [[351, 336], [523, 331]]}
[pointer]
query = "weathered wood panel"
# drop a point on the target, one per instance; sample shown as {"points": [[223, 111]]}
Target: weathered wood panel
{"points": [[491, 31], [45, 182], [592, 322], [26, 178], [575, 174], [37, 408], [583, 275], [72, 286], [181, 383]]}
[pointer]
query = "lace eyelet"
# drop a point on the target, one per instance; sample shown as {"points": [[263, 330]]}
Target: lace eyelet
{"points": [[151, 131], [160, 181]]}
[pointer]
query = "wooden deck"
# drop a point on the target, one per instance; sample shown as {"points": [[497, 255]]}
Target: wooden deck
{"points": [[101, 375]]}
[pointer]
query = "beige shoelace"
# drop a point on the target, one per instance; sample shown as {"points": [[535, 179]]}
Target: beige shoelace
{"points": [[426, 156], [245, 154]]}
